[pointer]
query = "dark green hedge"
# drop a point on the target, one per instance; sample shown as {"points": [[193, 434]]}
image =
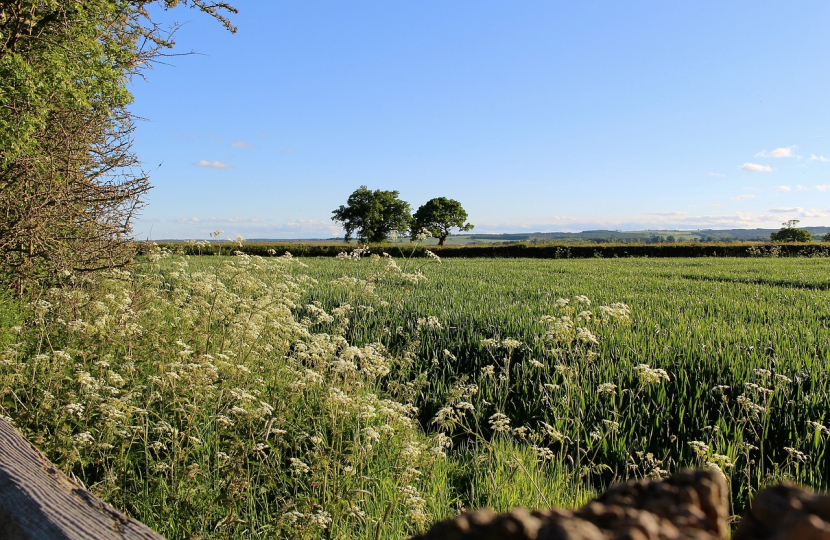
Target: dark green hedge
{"points": [[689, 249]]}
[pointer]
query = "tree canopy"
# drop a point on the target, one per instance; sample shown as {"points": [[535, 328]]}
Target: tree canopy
{"points": [[69, 182], [372, 215], [439, 216], [789, 233]]}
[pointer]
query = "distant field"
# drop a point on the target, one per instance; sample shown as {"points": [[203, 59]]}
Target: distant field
{"points": [[745, 344]]}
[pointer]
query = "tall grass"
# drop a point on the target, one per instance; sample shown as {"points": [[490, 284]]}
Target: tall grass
{"points": [[213, 401]]}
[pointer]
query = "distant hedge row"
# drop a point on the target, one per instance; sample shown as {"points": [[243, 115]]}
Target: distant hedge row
{"points": [[522, 250]]}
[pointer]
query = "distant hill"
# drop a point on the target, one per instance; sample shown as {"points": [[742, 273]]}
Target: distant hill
{"points": [[602, 236], [598, 236]]}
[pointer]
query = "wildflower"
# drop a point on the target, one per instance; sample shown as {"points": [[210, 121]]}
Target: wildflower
{"points": [[75, 409], [299, 467], [818, 427], [500, 423], [781, 379], [356, 512], [511, 344], [750, 406], [371, 433], [700, 448], [612, 426], [84, 439], [465, 406], [649, 375], [293, 517], [411, 450], [488, 371], [543, 453], [585, 336], [536, 364], [607, 388], [722, 460], [489, 343], [446, 417], [796, 454], [320, 518]]}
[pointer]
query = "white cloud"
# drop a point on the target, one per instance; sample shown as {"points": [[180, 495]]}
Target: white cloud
{"points": [[735, 220], [213, 164], [799, 187], [790, 210], [242, 144], [668, 214], [814, 157], [217, 220], [754, 167], [743, 197], [778, 152], [717, 175], [823, 187], [783, 188]]}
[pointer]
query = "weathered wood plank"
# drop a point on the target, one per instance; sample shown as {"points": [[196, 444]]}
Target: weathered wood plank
{"points": [[37, 502]]}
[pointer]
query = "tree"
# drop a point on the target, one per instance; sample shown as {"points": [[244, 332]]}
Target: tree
{"points": [[439, 216], [789, 233], [373, 215], [826, 238], [69, 182]]}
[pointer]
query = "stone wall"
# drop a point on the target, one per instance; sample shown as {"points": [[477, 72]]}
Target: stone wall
{"points": [[691, 505]]}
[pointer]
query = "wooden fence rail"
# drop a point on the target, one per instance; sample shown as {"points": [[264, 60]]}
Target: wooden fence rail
{"points": [[38, 502]]}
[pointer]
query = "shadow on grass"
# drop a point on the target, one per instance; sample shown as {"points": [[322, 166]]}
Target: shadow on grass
{"points": [[762, 281]]}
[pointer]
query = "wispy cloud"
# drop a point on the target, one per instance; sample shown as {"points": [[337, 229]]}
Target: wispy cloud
{"points": [[814, 157], [717, 175], [217, 220], [778, 152], [799, 187], [743, 197], [802, 212], [735, 220], [675, 213], [289, 151], [784, 188], [823, 187], [213, 164], [754, 167], [242, 144]]}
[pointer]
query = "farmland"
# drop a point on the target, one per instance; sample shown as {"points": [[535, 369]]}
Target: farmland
{"points": [[246, 397], [744, 345]]}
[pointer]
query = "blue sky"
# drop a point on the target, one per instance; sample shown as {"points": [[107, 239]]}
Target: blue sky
{"points": [[535, 115]]}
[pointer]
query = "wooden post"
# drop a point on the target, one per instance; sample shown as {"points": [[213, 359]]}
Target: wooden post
{"points": [[37, 502]]}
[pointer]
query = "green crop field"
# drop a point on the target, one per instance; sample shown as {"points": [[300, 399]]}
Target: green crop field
{"points": [[366, 397], [744, 344]]}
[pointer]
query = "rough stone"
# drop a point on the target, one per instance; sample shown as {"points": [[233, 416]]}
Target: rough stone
{"points": [[786, 512], [691, 505]]}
